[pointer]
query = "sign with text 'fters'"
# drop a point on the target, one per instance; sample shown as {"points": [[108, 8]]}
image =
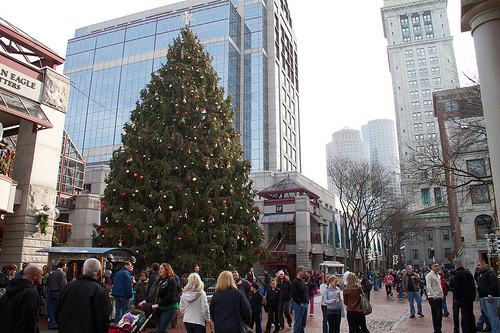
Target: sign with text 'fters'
{"points": [[20, 83]]}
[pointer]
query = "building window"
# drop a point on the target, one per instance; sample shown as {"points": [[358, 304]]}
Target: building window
{"points": [[427, 16], [420, 52], [408, 53], [423, 72], [436, 81], [422, 62], [410, 63], [413, 84], [429, 234], [431, 126], [434, 60], [435, 70], [418, 127], [429, 35], [414, 253], [415, 105], [476, 167], [428, 104], [438, 198], [426, 196], [480, 194], [412, 73], [432, 137], [426, 93], [419, 138], [432, 50], [415, 19], [413, 94], [417, 116], [424, 82], [446, 234]]}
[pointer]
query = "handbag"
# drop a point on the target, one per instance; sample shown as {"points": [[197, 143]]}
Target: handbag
{"points": [[366, 307], [244, 328]]}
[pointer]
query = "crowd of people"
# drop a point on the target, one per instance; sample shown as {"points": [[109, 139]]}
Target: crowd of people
{"points": [[83, 304]]}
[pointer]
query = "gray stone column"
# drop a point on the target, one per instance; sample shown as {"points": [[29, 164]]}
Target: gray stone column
{"points": [[482, 18], [303, 231], [36, 170], [86, 213]]}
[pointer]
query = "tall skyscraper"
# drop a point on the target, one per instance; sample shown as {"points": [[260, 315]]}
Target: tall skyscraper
{"points": [[381, 145], [346, 143], [254, 53], [421, 61]]}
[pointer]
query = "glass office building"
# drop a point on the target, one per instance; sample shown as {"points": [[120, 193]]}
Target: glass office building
{"points": [[254, 53]]}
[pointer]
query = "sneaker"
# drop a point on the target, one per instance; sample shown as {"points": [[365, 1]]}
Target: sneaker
{"points": [[421, 314], [446, 315], [412, 316]]}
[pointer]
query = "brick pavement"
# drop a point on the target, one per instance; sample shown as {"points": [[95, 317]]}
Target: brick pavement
{"points": [[389, 315]]}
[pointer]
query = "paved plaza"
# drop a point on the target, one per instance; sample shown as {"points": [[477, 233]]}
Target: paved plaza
{"points": [[389, 315]]}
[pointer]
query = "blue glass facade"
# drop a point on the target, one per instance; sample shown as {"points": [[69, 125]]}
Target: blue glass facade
{"points": [[109, 64]]}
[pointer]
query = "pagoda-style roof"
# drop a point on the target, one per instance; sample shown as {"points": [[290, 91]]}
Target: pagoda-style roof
{"points": [[286, 188], [14, 41]]}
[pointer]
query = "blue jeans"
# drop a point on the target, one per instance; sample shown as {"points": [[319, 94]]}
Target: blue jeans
{"points": [[194, 328], [375, 284], [491, 310], [483, 319], [300, 317], [165, 317], [415, 295], [52, 297], [122, 305], [445, 307], [324, 310]]}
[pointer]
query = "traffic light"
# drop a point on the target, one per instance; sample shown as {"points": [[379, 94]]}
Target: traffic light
{"points": [[324, 256]]}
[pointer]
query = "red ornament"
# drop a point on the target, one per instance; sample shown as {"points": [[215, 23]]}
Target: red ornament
{"points": [[111, 236], [224, 201], [128, 225], [123, 194], [222, 252], [179, 239], [135, 175], [141, 177]]}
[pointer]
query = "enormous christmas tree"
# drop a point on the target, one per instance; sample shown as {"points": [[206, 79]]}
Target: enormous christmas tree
{"points": [[178, 190]]}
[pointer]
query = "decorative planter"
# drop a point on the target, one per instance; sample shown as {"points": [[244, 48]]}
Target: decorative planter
{"points": [[7, 194]]}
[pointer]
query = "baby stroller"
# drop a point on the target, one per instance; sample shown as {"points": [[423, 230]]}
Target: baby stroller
{"points": [[131, 322]]}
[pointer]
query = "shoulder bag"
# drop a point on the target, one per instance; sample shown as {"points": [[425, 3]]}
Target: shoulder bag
{"points": [[366, 307], [244, 328]]}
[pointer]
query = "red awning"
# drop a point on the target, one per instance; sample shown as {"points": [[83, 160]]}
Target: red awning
{"points": [[279, 218], [314, 219], [13, 108]]}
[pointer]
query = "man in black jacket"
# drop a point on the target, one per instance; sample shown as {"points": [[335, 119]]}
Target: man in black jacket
{"points": [[20, 304], [300, 298], [242, 284], [464, 291], [55, 283], [489, 293], [83, 304]]}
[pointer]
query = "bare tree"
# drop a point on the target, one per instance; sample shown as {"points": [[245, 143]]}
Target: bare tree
{"points": [[398, 228], [366, 198], [440, 160]]}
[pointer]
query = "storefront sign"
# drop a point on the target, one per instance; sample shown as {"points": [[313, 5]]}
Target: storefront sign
{"points": [[20, 83]]}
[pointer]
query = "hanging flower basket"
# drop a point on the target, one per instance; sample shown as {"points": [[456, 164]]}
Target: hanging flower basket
{"points": [[43, 222]]}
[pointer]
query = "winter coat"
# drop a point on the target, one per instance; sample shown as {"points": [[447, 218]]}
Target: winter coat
{"points": [[256, 301], [463, 286], [286, 290], [194, 305], [311, 285], [83, 306], [141, 291], [273, 298], [224, 307], [415, 281], [19, 308], [487, 283], [352, 299], [168, 294], [56, 280], [122, 286]]}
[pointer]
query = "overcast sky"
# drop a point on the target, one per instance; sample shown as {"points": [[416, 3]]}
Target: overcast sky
{"points": [[344, 76]]}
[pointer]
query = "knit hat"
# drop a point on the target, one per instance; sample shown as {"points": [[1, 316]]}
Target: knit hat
{"points": [[280, 272]]}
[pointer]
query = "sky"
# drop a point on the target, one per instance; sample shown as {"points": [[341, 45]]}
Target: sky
{"points": [[344, 76]]}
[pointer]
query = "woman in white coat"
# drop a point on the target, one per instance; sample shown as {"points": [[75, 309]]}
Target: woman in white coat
{"points": [[194, 305]]}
